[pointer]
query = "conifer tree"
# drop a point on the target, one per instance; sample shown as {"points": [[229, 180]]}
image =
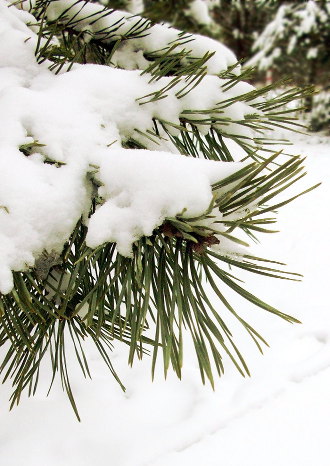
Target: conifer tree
{"points": [[125, 141], [241, 21], [296, 42]]}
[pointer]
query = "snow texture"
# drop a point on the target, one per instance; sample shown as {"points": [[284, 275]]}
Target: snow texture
{"points": [[294, 26], [278, 417], [75, 124], [92, 19], [135, 6], [199, 11]]}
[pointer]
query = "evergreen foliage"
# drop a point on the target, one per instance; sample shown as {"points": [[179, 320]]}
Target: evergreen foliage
{"points": [[319, 118], [296, 41], [241, 21], [153, 299]]}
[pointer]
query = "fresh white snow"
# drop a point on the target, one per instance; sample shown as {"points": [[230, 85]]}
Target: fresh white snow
{"points": [[294, 24], [278, 417], [78, 121], [157, 38], [199, 11]]}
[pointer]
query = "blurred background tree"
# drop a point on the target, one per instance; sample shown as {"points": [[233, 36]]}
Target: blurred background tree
{"points": [[296, 42], [278, 37]]}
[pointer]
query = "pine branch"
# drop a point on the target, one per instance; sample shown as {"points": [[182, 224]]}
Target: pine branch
{"points": [[152, 300]]}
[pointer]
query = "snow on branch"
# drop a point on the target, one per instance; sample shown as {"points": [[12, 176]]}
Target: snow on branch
{"points": [[296, 25], [120, 189], [61, 147], [109, 25], [67, 140]]}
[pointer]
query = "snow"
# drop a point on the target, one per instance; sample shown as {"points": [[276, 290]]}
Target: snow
{"points": [[294, 25], [78, 121], [199, 11], [320, 114], [135, 204], [135, 6], [279, 416], [309, 18], [91, 19]]}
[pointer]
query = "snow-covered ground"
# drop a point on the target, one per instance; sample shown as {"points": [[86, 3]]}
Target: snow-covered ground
{"points": [[280, 416]]}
